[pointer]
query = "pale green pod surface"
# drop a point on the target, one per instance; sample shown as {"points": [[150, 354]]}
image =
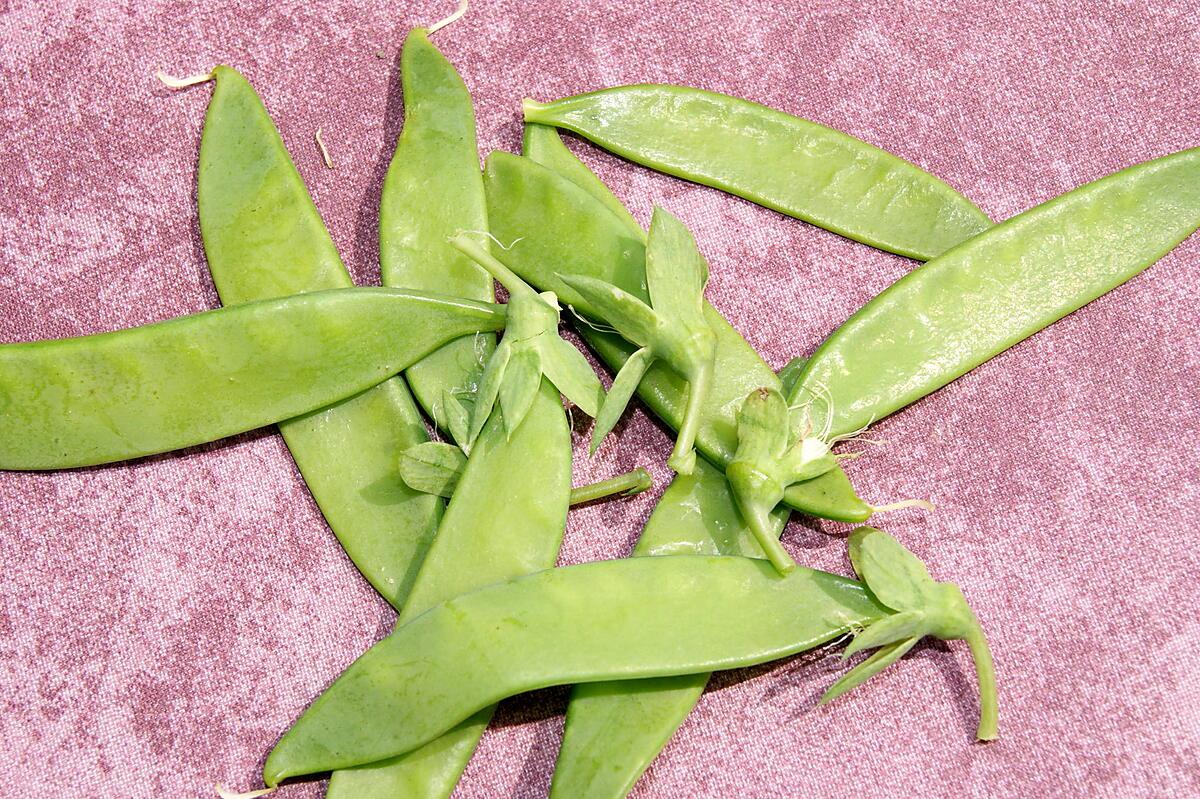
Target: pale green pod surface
{"points": [[121, 395], [433, 190], [788, 164], [505, 520], [264, 238], [948, 316], [615, 729], [559, 228], [577, 624]]}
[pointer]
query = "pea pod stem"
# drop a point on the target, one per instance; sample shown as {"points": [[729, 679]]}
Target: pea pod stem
{"points": [[470, 247], [985, 671], [683, 455], [633, 482]]}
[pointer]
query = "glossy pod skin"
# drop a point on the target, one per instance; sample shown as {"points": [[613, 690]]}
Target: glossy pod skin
{"points": [[615, 729], [957, 311], [264, 238], [121, 395], [785, 163], [552, 226], [434, 189], [577, 624], [505, 520]]}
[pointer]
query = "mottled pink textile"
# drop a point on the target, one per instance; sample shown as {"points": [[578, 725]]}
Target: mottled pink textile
{"points": [[163, 621]]}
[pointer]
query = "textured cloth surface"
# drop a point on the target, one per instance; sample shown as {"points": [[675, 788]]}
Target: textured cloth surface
{"points": [[161, 622]]}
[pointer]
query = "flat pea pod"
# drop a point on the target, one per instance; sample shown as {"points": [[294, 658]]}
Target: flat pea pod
{"points": [[955, 312], [615, 729], [264, 238], [782, 162], [505, 520], [551, 226], [115, 396], [577, 624], [433, 190]]}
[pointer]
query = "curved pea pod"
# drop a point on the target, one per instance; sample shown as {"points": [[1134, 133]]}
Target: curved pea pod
{"points": [[553, 227], [114, 396], [788, 164], [587, 624], [950, 315], [614, 730], [434, 189], [264, 238], [576, 624], [504, 520]]}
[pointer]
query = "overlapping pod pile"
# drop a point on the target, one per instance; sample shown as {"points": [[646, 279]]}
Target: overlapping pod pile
{"points": [[482, 612]]}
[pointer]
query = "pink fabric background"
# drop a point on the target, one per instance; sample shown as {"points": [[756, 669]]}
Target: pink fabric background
{"points": [[163, 621]]}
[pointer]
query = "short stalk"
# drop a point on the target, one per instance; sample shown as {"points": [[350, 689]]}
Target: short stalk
{"points": [[627, 484], [473, 250], [683, 456], [985, 672], [771, 547]]}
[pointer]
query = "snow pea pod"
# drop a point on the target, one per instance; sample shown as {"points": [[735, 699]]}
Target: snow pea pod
{"points": [[434, 189], [505, 520], [576, 624], [551, 226], [957, 311], [264, 238], [788, 164], [114, 396], [615, 729]]}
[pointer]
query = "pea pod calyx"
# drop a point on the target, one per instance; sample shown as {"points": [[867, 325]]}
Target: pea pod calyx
{"points": [[530, 348], [900, 581], [671, 328], [773, 453]]}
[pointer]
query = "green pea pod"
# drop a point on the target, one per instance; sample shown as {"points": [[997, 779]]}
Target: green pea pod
{"points": [[433, 189], [115, 396], [577, 624], [264, 238], [957, 311], [556, 227], [790, 373], [615, 729], [785, 163], [505, 520]]}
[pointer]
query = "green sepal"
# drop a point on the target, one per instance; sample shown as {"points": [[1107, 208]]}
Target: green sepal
{"points": [[895, 576], [634, 320], [619, 394], [457, 419], [489, 388], [676, 272], [432, 467], [768, 460], [762, 426], [864, 671], [572, 375], [519, 386], [887, 631]]}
